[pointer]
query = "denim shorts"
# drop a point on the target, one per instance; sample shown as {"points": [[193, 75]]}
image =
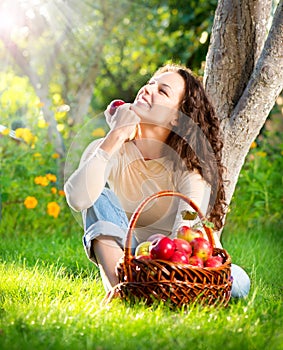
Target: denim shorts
{"points": [[107, 218]]}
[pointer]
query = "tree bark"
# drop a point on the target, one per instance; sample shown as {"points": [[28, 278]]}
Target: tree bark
{"points": [[244, 96], [238, 35]]}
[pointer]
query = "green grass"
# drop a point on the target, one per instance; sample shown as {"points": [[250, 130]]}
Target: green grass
{"points": [[51, 296], [55, 302]]}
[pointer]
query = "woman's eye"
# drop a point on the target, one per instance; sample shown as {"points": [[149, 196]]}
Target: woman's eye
{"points": [[163, 91]]}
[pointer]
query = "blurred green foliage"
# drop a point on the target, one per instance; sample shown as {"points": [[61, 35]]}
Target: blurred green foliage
{"points": [[153, 33], [59, 46], [260, 184]]}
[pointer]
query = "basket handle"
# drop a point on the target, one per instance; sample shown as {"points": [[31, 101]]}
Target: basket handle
{"points": [[137, 212]]}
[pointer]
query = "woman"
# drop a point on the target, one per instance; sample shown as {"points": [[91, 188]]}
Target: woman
{"points": [[177, 147]]}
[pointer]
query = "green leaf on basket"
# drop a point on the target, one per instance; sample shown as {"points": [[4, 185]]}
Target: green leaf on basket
{"points": [[208, 223], [197, 226], [189, 215]]}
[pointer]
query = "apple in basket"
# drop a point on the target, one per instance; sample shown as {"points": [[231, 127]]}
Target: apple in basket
{"points": [[142, 249], [213, 261], [196, 261], [183, 245], [188, 233], [179, 257], [162, 248], [201, 248]]}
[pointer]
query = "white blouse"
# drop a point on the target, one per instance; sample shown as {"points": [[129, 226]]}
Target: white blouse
{"points": [[132, 179]]}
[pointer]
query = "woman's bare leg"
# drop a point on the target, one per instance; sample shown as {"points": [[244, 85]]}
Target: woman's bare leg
{"points": [[107, 253]]}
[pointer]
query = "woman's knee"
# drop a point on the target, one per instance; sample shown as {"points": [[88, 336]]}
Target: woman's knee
{"points": [[106, 208]]}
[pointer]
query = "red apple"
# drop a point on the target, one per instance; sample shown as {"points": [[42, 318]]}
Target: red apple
{"points": [[155, 236], [142, 248], [196, 261], [162, 248], [183, 245], [219, 258], [179, 257], [213, 261], [114, 104], [201, 248], [188, 233]]}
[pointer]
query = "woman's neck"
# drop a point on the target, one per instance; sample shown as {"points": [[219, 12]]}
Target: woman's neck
{"points": [[150, 141]]}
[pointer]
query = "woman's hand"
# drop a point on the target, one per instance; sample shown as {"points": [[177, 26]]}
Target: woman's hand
{"points": [[123, 124], [124, 121]]}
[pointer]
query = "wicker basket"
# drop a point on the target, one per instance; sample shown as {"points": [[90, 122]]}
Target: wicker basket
{"points": [[175, 284]]}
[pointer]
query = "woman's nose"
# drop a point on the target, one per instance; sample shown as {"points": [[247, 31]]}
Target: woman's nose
{"points": [[149, 88]]}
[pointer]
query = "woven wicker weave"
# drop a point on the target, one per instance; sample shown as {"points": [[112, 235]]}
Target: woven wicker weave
{"points": [[173, 283]]}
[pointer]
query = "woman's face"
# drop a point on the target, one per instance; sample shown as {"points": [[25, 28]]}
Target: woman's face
{"points": [[158, 101]]}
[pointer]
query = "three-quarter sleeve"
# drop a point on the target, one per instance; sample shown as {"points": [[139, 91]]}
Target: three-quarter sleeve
{"points": [[87, 182]]}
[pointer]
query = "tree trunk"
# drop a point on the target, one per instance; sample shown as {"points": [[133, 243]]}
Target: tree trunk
{"points": [[41, 89], [84, 94], [238, 35], [243, 76]]}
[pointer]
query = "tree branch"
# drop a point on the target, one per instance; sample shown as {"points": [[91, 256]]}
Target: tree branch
{"points": [[20, 59], [50, 65]]}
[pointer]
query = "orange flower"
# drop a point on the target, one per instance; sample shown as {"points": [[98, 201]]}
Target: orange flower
{"points": [[54, 190], [253, 145], [61, 193], [55, 155], [41, 180], [30, 202], [53, 209], [26, 135], [51, 177]]}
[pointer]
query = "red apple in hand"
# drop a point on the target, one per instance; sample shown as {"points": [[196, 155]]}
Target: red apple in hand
{"points": [[112, 109], [213, 261], [196, 261], [162, 248], [188, 233], [179, 257], [114, 105], [183, 245], [201, 248]]}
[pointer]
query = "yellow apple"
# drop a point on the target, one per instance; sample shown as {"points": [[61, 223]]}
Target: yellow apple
{"points": [[142, 249]]}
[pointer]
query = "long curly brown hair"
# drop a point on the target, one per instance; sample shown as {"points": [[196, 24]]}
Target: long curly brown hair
{"points": [[197, 140]]}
